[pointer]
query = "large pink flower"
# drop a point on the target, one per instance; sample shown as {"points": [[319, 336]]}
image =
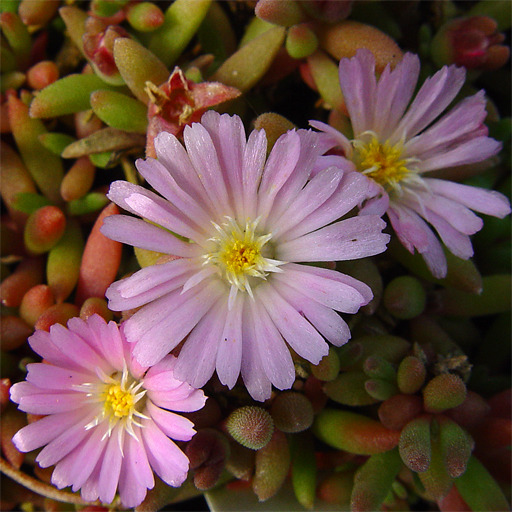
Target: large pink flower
{"points": [[239, 290], [106, 425], [396, 143]]}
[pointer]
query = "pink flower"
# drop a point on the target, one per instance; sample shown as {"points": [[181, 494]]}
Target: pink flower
{"points": [[106, 426], [238, 292], [395, 146]]}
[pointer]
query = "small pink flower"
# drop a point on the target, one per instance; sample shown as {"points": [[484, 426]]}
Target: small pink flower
{"points": [[106, 425], [396, 142], [239, 291]]}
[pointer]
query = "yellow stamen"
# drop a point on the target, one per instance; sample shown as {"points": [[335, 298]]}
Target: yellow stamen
{"points": [[118, 401], [382, 162], [241, 254]]}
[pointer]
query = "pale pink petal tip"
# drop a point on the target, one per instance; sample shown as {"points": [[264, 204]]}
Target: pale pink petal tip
{"points": [[91, 448]]}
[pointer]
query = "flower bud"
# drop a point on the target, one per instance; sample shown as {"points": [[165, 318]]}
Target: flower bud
{"points": [[404, 297], [292, 412], [98, 41], [472, 42], [251, 426], [443, 392]]}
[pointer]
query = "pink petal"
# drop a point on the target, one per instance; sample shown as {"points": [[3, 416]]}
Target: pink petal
{"points": [[436, 93], [52, 403], [351, 191], [66, 442], [45, 430], [159, 177], [394, 92], [47, 376], [139, 233], [295, 329], [166, 459], [77, 349], [358, 84], [410, 229], [229, 353], [196, 362], [193, 399], [338, 138], [474, 150], [489, 202], [357, 237], [274, 354], [171, 424], [42, 344], [110, 468], [158, 327], [150, 283], [280, 165], [173, 155], [228, 136], [203, 155], [136, 475], [327, 321], [466, 117], [330, 292], [253, 163], [456, 214], [253, 374], [311, 197], [77, 466]]}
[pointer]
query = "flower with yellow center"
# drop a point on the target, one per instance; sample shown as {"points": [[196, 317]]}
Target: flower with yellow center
{"points": [[241, 254], [108, 422], [385, 163], [121, 401]]}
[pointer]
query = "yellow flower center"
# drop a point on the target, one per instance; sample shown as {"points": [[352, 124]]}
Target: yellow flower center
{"points": [[118, 401], [383, 162], [240, 254]]}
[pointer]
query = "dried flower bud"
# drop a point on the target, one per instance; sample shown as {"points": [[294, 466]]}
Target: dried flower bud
{"points": [[472, 42], [98, 41], [292, 412], [251, 426]]}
